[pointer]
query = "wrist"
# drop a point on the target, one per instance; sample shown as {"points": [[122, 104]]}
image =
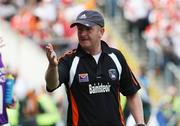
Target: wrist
{"points": [[140, 125], [52, 66]]}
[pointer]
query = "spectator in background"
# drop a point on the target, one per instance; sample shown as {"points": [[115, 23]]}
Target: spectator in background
{"points": [[38, 109], [162, 40], [136, 14], [25, 22], [168, 112], [143, 79], [7, 9], [3, 105]]}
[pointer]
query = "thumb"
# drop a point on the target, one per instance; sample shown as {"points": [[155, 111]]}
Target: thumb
{"points": [[54, 58]]}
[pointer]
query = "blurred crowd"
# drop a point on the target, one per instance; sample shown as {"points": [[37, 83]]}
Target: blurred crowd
{"points": [[153, 33], [44, 20], [151, 28]]}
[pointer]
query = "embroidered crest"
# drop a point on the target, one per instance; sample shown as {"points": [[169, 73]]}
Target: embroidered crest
{"points": [[112, 74], [83, 77]]}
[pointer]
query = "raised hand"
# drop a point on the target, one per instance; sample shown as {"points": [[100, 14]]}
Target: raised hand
{"points": [[51, 55]]}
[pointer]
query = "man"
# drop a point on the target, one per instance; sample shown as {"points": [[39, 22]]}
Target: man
{"points": [[94, 74]]}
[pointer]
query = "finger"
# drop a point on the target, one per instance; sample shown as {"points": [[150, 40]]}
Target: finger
{"points": [[53, 54], [49, 46], [49, 49]]}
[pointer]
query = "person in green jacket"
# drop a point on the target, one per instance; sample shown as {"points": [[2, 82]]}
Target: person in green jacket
{"points": [[38, 110]]}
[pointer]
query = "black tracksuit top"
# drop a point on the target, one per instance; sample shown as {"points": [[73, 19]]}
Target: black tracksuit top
{"points": [[93, 90]]}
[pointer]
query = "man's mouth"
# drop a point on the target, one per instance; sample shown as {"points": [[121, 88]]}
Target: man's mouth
{"points": [[83, 39]]}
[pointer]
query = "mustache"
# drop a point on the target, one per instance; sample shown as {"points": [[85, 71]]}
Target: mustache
{"points": [[83, 38]]}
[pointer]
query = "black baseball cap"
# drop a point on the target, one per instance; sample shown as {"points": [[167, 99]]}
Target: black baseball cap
{"points": [[89, 18]]}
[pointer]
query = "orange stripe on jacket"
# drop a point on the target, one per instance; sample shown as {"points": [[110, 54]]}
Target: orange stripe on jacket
{"points": [[75, 114], [120, 110], [133, 77]]}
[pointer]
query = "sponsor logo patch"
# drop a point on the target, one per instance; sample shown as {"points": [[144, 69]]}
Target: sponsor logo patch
{"points": [[99, 88], [83, 77]]}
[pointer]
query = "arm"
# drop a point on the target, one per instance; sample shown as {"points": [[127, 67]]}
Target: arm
{"points": [[135, 107], [52, 76]]}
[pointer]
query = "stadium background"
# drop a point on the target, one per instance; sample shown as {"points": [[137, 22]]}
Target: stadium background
{"points": [[146, 31]]}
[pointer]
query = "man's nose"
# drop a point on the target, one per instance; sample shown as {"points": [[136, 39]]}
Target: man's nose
{"points": [[83, 32]]}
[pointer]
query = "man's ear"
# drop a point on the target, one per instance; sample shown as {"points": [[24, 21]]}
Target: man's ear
{"points": [[101, 31]]}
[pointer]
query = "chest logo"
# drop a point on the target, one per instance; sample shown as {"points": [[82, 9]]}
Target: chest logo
{"points": [[83, 77], [112, 74]]}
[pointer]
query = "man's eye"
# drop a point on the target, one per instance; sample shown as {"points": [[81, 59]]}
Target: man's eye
{"points": [[88, 28]]}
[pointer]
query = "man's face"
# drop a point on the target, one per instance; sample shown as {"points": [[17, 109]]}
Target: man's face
{"points": [[89, 37]]}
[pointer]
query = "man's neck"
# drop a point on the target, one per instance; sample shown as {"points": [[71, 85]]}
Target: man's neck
{"points": [[94, 51]]}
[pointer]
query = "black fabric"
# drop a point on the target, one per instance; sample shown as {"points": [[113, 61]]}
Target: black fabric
{"points": [[89, 18], [97, 94]]}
